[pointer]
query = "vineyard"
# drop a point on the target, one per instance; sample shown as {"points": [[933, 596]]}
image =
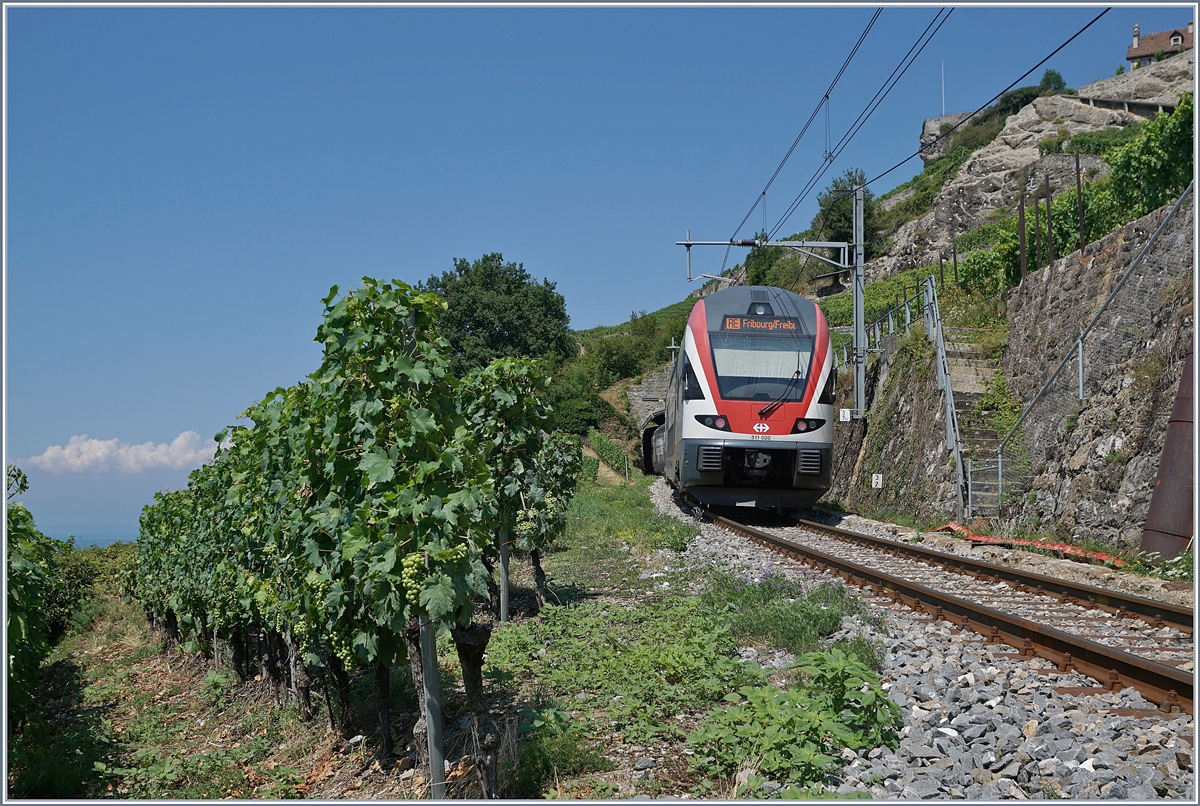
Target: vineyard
{"points": [[379, 496], [347, 552]]}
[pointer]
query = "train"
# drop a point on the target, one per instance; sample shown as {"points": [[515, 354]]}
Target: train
{"points": [[748, 412]]}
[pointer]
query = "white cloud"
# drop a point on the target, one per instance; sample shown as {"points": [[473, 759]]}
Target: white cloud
{"points": [[83, 454]]}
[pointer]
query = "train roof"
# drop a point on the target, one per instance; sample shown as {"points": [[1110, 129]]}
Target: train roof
{"points": [[742, 300]]}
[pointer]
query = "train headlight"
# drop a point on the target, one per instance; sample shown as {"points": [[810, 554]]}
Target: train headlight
{"points": [[717, 421], [805, 424]]}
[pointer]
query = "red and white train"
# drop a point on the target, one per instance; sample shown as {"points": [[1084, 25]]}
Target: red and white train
{"points": [[749, 408]]}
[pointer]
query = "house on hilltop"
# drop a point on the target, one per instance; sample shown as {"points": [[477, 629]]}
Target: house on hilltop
{"points": [[1143, 49]]}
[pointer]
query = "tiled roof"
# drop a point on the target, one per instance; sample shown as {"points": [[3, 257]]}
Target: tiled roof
{"points": [[1150, 44]]}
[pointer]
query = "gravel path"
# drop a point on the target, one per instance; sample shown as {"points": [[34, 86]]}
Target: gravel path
{"points": [[977, 724]]}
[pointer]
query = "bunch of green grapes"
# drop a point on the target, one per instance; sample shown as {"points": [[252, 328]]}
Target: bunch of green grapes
{"points": [[342, 650], [526, 523], [412, 571], [453, 553]]}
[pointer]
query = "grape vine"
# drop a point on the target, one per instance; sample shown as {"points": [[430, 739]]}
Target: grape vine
{"points": [[353, 503]]}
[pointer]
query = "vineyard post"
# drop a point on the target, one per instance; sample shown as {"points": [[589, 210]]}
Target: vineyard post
{"points": [[1079, 198], [433, 708], [1021, 230], [1049, 227], [504, 574]]}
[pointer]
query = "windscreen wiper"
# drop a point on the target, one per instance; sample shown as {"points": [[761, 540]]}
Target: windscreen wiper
{"points": [[766, 410]]}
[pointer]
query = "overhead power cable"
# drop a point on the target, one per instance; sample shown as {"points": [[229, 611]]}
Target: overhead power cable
{"points": [[816, 111], [881, 94], [1021, 78]]}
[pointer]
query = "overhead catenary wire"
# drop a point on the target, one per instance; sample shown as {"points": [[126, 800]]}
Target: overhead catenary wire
{"points": [[881, 94], [995, 97], [816, 111]]}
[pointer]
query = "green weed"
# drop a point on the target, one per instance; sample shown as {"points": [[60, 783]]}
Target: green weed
{"points": [[554, 747], [623, 655], [793, 735]]}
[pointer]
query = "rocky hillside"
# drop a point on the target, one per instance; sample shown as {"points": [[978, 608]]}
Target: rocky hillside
{"points": [[1158, 83], [994, 176]]}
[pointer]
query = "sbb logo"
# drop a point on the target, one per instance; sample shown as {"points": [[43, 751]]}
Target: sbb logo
{"points": [[762, 428]]}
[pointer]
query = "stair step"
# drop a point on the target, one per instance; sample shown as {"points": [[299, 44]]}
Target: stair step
{"points": [[955, 361]]}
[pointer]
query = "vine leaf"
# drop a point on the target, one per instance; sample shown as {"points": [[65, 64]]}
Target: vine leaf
{"points": [[378, 467]]}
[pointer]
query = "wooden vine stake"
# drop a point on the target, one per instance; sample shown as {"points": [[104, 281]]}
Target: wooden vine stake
{"points": [[1049, 225], [433, 709], [1021, 230], [504, 574], [1079, 196]]}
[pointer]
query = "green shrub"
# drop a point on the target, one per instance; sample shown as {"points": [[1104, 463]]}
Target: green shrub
{"points": [[589, 468], [879, 296], [1051, 145], [1101, 142], [1155, 167]]}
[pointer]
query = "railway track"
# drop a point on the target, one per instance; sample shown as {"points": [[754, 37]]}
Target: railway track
{"points": [[1118, 639]]}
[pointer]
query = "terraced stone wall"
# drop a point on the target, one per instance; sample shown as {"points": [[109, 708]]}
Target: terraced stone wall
{"points": [[1092, 464]]}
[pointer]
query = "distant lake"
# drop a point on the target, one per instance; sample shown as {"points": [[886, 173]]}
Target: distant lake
{"points": [[102, 540]]}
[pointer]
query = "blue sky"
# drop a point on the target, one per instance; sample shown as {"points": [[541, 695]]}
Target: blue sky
{"points": [[184, 185]]}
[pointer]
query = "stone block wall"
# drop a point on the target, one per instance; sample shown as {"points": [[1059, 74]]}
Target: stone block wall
{"points": [[1090, 465]]}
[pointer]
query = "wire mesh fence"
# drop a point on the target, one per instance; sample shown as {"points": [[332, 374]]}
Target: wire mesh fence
{"points": [[1096, 379]]}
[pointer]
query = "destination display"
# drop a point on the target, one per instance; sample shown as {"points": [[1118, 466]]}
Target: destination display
{"points": [[787, 324]]}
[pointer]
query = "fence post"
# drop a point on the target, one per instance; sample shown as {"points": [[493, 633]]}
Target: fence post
{"points": [[1049, 225], [1021, 229], [907, 314], [941, 270], [970, 499], [954, 254], [999, 477], [927, 305], [1079, 195]]}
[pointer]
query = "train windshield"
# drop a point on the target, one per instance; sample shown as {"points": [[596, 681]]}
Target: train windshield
{"points": [[761, 367]]}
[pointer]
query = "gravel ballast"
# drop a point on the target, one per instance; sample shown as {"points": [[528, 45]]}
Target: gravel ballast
{"points": [[977, 724]]}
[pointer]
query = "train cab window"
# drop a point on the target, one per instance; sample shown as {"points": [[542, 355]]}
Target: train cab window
{"points": [[691, 385], [761, 367]]}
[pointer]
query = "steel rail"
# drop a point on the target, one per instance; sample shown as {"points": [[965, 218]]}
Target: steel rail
{"points": [[1170, 688], [1150, 610]]}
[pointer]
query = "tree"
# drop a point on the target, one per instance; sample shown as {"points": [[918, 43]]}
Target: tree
{"points": [[835, 218], [760, 260], [1052, 80], [496, 310]]}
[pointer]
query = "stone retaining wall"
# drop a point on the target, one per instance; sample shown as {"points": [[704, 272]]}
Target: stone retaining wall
{"points": [[1092, 464]]}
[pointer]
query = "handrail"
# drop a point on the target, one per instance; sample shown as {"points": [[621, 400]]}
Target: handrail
{"points": [[1078, 343], [841, 356], [926, 301], [953, 437]]}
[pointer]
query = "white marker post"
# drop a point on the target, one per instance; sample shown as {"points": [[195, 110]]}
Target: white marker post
{"points": [[877, 481]]}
